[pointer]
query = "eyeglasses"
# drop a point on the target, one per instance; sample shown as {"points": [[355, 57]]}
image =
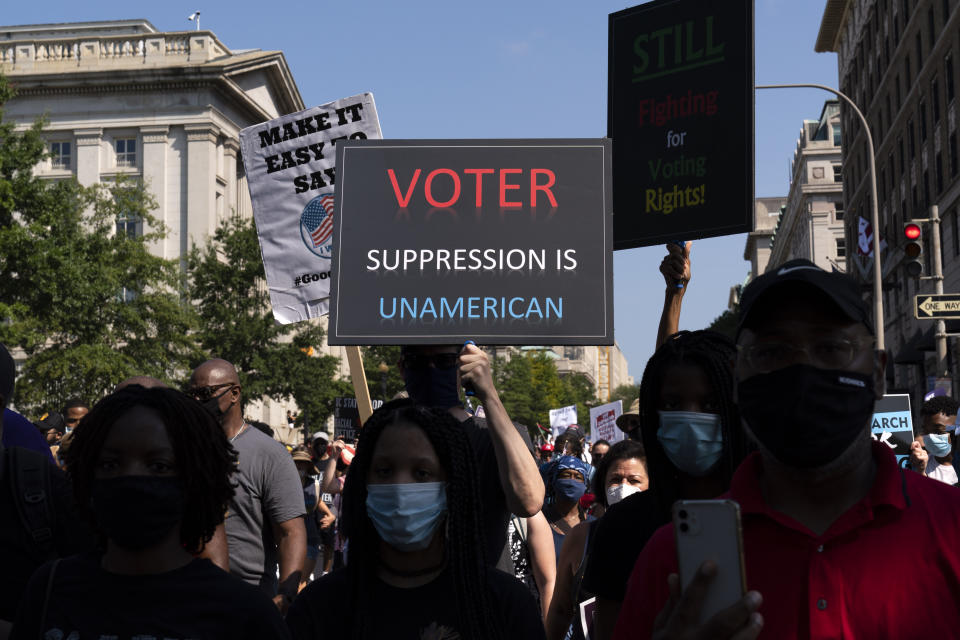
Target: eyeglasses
{"points": [[205, 393], [438, 360], [71, 420], [833, 353]]}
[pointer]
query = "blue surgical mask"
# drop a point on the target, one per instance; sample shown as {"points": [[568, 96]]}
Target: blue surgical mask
{"points": [[433, 387], [938, 444], [568, 489], [407, 515], [693, 441]]}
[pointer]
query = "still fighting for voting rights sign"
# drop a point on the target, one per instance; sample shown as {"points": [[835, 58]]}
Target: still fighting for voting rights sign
{"points": [[499, 241], [680, 113], [290, 168], [892, 424]]}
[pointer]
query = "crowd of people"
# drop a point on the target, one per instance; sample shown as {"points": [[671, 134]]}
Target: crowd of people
{"points": [[164, 513]]}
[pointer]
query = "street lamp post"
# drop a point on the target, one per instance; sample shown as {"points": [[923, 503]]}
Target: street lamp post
{"points": [[874, 209], [383, 369]]}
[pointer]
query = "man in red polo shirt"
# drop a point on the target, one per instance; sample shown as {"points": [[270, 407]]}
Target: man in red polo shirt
{"points": [[839, 541]]}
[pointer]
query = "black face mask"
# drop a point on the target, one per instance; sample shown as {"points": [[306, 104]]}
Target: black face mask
{"points": [[433, 387], [805, 416], [137, 512], [213, 407]]}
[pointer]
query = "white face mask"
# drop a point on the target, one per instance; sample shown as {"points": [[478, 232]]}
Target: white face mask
{"points": [[618, 492]]}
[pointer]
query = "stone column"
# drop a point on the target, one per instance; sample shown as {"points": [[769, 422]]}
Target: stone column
{"points": [[155, 176], [88, 156], [230, 149], [201, 182]]}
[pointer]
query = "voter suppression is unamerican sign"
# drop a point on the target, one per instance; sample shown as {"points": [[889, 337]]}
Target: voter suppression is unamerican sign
{"points": [[500, 241], [290, 168]]}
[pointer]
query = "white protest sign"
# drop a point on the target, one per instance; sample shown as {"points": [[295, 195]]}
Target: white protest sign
{"points": [[603, 422], [290, 168], [562, 418]]}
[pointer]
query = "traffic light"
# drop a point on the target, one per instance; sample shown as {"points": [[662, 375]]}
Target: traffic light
{"points": [[913, 249]]}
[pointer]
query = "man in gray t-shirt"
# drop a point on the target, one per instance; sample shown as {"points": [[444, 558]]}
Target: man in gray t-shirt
{"points": [[263, 523]]}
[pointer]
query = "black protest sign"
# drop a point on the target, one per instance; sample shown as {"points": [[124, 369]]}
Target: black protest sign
{"points": [[346, 418], [892, 424], [680, 113], [501, 241]]}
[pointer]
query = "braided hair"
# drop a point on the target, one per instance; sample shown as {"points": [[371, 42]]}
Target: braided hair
{"points": [[464, 547], [204, 458], [714, 354]]}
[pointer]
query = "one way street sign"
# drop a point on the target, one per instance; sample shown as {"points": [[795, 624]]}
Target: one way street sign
{"points": [[937, 306]]}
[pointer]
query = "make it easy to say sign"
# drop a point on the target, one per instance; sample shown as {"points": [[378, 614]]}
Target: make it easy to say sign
{"points": [[501, 241], [290, 163], [680, 113]]}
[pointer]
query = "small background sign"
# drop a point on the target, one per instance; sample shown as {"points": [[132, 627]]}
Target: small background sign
{"points": [[290, 167], [603, 422], [500, 241], [346, 418], [680, 113], [933, 306], [893, 425], [562, 418]]}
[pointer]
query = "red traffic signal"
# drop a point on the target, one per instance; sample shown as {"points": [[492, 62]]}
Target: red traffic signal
{"points": [[912, 231], [913, 249]]}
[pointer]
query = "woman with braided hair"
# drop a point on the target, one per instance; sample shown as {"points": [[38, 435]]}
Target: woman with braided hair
{"points": [[691, 432], [151, 469], [415, 567]]}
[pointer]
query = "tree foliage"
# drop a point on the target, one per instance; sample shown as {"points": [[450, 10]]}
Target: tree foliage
{"points": [[228, 288], [529, 386], [373, 357], [628, 393], [89, 306]]}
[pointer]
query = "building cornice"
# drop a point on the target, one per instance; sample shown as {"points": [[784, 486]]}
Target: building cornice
{"points": [[831, 25]]}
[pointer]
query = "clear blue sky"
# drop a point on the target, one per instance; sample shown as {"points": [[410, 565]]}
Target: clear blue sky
{"points": [[504, 69]]}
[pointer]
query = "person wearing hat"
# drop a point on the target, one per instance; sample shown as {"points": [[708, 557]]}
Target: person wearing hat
{"points": [[52, 426], [317, 514], [820, 501]]}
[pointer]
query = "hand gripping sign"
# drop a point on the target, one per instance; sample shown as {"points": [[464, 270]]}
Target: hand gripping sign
{"points": [[290, 167]]}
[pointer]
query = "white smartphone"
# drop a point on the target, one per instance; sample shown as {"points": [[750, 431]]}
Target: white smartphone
{"points": [[710, 530]]}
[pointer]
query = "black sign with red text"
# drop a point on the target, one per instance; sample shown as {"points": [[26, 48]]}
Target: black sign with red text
{"points": [[499, 241], [680, 113]]}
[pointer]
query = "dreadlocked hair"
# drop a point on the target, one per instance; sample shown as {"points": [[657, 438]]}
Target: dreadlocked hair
{"points": [[463, 546], [204, 458], [623, 450], [714, 353]]}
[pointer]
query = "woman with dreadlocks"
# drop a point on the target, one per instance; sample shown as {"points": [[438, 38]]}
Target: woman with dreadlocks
{"points": [[151, 469], [416, 567]]}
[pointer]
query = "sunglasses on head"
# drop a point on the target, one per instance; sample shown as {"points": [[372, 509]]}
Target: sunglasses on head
{"points": [[205, 393], [438, 360]]}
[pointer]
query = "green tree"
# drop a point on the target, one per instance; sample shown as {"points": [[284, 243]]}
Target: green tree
{"points": [[373, 357], [81, 294], [227, 287], [626, 392]]}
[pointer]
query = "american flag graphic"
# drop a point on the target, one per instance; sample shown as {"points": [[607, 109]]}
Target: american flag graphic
{"points": [[318, 219]]}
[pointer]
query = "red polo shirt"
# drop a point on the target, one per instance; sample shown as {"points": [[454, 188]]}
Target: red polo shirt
{"points": [[887, 568]]}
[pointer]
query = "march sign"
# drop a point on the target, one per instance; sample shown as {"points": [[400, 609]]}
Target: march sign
{"points": [[289, 162], [680, 113], [499, 241], [603, 422], [893, 425]]}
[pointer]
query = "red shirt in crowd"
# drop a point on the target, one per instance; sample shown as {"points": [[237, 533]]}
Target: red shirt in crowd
{"points": [[887, 568]]}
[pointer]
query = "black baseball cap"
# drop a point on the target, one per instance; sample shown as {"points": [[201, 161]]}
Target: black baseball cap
{"points": [[838, 287]]}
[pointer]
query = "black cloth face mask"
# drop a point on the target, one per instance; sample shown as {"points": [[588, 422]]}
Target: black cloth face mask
{"points": [[137, 512], [806, 416]]}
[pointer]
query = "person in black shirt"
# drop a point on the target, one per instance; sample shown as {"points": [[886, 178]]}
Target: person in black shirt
{"points": [[509, 479], [416, 566], [152, 470], [693, 438]]}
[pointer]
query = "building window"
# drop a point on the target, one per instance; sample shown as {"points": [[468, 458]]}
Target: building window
{"points": [[946, 12], [906, 74], [931, 31], [935, 101], [836, 135], [841, 247], [61, 154], [899, 96], [926, 189], [939, 173], [911, 140], [900, 147], [948, 71], [838, 210], [952, 141], [919, 42], [126, 152], [923, 121], [956, 231], [838, 173]]}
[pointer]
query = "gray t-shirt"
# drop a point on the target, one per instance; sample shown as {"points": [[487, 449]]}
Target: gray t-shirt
{"points": [[268, 491]]}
